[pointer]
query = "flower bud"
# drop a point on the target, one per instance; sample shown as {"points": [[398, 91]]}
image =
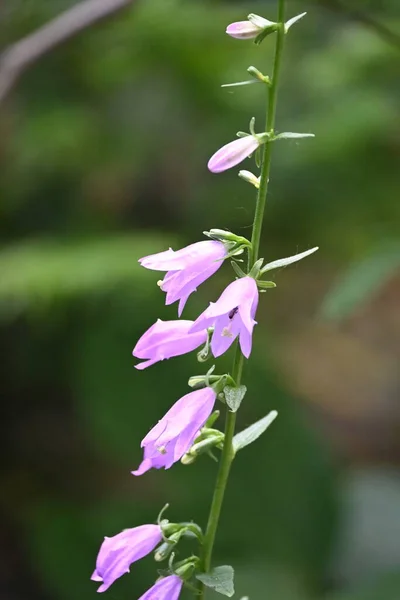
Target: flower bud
{"points": [[252, 28], [233, 153], [250, 178]]}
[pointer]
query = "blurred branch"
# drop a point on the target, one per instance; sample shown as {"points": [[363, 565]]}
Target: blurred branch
{"points": [[362, 17], [18, 57]]}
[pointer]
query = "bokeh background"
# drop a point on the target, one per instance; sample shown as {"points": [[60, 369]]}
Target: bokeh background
{"points": [[103, 151]]}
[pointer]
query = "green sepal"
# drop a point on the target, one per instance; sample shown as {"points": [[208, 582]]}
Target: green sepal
{"points": [[237, 269], [265, 285], [252, 125], [252, 433], [256, 268], [220, 579], [223, 235], [265, 32], [257, 157], [242, 134], [234, 396]]}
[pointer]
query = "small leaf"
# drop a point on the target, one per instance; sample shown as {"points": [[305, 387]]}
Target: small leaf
{"points": [[252, 433], [219, 579], [234, 396], [265, 285], [290, 135], [239, 83], [284, 262], [293, 20], [237, 269]]}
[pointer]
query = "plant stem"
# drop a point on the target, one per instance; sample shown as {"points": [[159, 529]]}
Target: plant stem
{"points": [[230, 422], [269, 128]]}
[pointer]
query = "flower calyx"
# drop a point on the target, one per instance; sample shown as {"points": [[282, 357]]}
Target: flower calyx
{"points": [[234, 244], [207, 440]]}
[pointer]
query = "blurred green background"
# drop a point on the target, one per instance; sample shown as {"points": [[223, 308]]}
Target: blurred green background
{"points": [[103, 152]]}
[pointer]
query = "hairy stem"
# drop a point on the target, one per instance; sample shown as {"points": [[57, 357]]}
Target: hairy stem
{"points": [[228, 453]]}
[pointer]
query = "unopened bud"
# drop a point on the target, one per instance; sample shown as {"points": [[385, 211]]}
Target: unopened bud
{"points": [[250, 178]]}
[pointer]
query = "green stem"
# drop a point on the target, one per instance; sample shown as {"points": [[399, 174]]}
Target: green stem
{"points": [[230, 422], [269, 128]]}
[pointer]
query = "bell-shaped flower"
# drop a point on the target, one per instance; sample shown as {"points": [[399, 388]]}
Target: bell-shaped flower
{"points": [[167, 588], [174, 434], [117, 553], [233, 153], [166, 339], [252, 28], [231, 316], [186, 268]]}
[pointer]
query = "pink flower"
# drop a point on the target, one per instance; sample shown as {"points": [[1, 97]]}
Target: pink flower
{"points": [[243, 30], [252, 28], [166, 339], [231, 316], [233, 153], [117, 553], [167, 588], [186, 268], [174, 434]]}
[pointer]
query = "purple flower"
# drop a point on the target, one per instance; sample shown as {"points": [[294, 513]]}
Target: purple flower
{"points": [[165, 339], [232, 315], [246, 30], [167, 588], [243, 30], [174, 434], [233, 153], [117, 553], [186, 268]]}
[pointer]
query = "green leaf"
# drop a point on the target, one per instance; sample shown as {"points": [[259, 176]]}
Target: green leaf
{"points": [[293, 20], [219, 579], [252, 433], [362, 279], [290, 135], [284, 262], [240, 83], [234, 396]]}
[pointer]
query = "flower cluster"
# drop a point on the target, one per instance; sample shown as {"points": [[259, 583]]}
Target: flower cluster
{"points": [[185, 431]]}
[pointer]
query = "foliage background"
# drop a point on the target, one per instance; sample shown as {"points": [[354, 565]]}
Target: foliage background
{"points": [[103, 152]]}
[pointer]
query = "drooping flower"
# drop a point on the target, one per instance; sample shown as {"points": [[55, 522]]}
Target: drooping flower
{"points": [[231, 316], [186, 268], [167, 588], [174, 434], [233, 153], [166, 339], [253, 27], [117, 553]]}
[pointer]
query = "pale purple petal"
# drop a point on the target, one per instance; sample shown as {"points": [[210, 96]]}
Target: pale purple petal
{"points": [[243, 30], [168, 588], [186, 268], [223, 336], [174, 434], [233, 153], [232, 315], [117, 553], [166, 339]]}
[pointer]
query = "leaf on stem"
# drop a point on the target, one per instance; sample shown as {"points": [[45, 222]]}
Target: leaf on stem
{"points": [[252, 433], [219, 579], [234, 396], [284, 262]]}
